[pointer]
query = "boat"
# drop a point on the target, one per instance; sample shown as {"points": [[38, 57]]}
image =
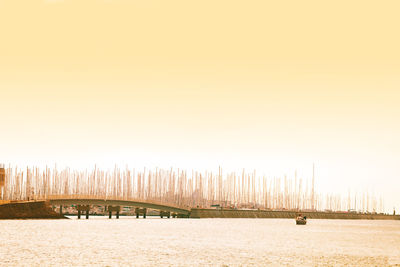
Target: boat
{"points": [[301, 220]]}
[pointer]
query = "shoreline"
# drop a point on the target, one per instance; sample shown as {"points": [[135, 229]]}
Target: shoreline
{"points": [[42, 210], [28, 210], [199, 213]]}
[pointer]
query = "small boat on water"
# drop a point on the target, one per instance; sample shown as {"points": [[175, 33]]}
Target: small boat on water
{"points": [[301, 220]]}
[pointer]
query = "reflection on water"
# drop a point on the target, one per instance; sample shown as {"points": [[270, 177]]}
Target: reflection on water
{"points": [[187, 242]]}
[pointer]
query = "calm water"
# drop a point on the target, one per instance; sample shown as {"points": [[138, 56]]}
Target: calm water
{"points": [[190, 242]]}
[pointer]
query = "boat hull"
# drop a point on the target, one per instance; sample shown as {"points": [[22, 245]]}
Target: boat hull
{"points": [[301, 222]]}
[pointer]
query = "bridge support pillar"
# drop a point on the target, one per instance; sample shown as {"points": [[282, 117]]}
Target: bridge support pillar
{"points": [[110, 209], [61, 213], [165, 213], [81, 208], [140, 211]]}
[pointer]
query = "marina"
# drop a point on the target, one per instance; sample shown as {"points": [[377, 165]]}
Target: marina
{"points": [[180, 192]]}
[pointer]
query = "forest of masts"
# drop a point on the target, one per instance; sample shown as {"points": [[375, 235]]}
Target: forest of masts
{"points": [[182, 189]]}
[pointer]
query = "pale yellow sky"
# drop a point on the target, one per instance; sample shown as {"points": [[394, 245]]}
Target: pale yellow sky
{"points": [[269, 85]]}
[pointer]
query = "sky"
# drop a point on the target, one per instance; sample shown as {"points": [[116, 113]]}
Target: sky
{"points": [[274, 86]]}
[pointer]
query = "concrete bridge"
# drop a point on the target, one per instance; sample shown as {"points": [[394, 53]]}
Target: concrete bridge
{"points": [[113, 205]]}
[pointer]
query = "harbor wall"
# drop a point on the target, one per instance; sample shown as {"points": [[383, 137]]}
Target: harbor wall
{"points": [[232, 213], [28, 210]]}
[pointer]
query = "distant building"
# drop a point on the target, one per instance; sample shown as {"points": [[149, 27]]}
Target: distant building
{"points": [[2, 175]]}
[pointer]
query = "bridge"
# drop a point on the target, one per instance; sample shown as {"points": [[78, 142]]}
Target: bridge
{"points": [[113, 205]]}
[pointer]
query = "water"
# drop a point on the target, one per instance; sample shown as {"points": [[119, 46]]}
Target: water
{"points": [[193, 242]]}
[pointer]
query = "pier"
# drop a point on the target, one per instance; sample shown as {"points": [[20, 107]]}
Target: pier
{"points": [[234, 213]]}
